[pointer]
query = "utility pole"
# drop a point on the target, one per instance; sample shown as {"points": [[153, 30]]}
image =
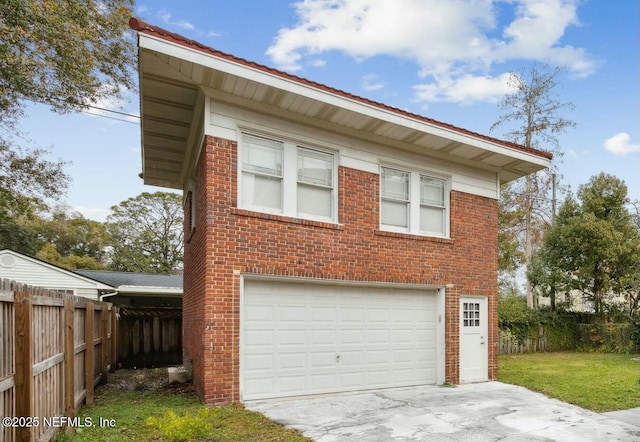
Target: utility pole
{"points": [[553, 199]]}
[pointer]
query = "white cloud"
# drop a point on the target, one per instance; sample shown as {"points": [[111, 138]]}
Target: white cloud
{"points": [[318, 63], [457, 42], [372, 83], [465, 89], [165, 16], [620, 144]]}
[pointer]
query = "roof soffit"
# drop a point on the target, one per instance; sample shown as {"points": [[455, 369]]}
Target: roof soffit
{"points": [[177, 64]]}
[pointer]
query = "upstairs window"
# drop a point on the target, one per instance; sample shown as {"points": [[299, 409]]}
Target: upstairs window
{"points": [[395, 198], [315, 184], [433, 209], [262, 174], [414, 203], [283, 177]]}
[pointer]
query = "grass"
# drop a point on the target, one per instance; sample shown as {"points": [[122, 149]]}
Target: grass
{"points": [[597, 381], [131, 398]]}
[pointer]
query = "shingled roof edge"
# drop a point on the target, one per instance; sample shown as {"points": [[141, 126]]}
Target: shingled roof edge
{"points": [[141, 26]]}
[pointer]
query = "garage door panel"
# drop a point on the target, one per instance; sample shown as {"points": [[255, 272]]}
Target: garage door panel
{"points": [[375, 336], [311, 338], [292, 337], [320, 337], [258, 337], [260, 312], [322, 382], [289, 361], [293, 385], [323, 359], [292, 314]]}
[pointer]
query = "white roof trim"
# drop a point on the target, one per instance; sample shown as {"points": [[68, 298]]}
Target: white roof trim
{"points": [[163, 46], [138, 289]]}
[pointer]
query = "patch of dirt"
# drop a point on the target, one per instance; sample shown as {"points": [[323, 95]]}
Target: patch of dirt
{"points": [[145, 379]]}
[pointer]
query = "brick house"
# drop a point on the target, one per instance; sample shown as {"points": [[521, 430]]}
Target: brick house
{"points": [[332, 243]]}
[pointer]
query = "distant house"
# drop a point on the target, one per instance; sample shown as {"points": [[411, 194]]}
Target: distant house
{"points": [[32, 271], [139, 289], [575, 301], [150, 320], [332, 243]]}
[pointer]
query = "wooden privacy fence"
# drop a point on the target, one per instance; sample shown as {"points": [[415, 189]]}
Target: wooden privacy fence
{"points": [[54, 349], [149, 336]]}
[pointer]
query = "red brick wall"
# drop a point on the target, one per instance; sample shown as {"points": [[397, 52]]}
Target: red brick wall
{"points": [[227, 241]]}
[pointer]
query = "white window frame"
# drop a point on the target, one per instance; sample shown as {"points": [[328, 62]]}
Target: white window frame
{"points": [[290, 178], [415, 202]]}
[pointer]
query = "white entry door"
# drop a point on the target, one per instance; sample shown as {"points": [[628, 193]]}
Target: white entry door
{"points": [[300, 339], [474, 355]]}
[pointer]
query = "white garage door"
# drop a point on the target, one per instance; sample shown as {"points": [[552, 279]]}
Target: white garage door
{"points": [[302, 339]]}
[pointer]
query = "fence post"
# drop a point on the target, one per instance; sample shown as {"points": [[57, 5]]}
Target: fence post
{"points": [[104, 346], [114, 338], [69, 357], [89, 354], [24, 389]]}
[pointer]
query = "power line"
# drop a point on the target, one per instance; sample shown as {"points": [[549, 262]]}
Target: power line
{"points": [[113, 118]]}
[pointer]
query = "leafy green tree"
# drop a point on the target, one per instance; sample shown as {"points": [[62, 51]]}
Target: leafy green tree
{"points": [[72, 233], [28, 180], [70, 240], [532, 114], [50, 254], [593, 248], [147, 233], [66, 54]]}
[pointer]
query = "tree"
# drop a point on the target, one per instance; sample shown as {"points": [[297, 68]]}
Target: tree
{"points": [[70, 240], [66, 54], [535, 111], [594, 246], [147, 233], [27, 182], [50, 254]]}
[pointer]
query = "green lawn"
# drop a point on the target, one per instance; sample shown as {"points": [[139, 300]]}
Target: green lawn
{"points": [[132, 397], [596, 381]]}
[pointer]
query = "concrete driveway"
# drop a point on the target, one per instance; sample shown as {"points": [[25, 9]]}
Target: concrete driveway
{"points": [[477, 412]]}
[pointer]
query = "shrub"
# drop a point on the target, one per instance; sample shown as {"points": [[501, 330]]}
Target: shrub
{"points": [[184, 428]]}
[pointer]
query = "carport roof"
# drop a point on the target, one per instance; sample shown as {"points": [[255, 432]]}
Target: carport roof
{"points": [[174, 69], [119, 279]]}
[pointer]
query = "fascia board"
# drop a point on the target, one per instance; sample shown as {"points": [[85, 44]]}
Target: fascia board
{"points": [[178, 51]]}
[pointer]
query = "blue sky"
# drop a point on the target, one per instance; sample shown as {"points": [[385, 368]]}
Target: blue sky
{"points": [[446, 60]]}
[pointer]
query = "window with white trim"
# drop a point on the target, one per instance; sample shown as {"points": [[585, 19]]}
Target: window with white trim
{"points": [[262, 173], [413, 202], [286, 178]]}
